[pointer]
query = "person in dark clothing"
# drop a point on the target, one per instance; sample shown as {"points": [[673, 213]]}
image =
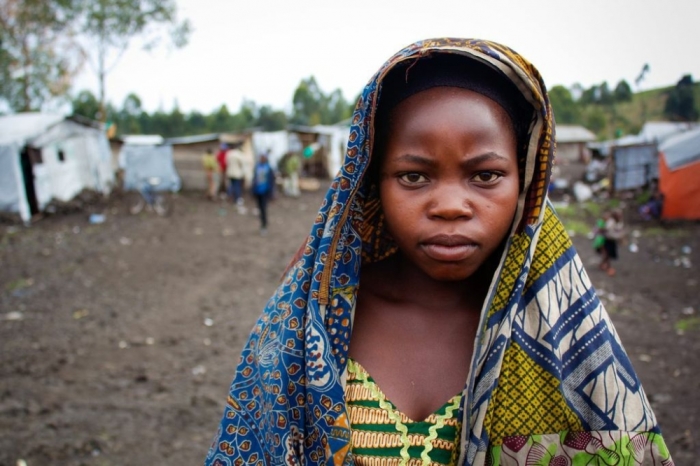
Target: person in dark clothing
{"points": [[263, 188]]}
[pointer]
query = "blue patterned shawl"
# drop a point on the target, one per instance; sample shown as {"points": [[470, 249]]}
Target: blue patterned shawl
{"points": [[549, 383]]}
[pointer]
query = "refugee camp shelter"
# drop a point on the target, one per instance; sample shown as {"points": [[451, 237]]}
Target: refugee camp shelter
{"points": [[634, 166], [323, 148], [335, 139], [572, 143], [659, 131], [188, 152], [187, 156], [276, 144], [148, 160], [679, 175], [635, 158], [47, 156]]}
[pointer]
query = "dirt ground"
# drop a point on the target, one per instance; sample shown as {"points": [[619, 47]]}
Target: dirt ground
{"points": [[118, 340]]}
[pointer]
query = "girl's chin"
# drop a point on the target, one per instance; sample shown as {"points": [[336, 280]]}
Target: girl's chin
{"points": [[451, 274]]}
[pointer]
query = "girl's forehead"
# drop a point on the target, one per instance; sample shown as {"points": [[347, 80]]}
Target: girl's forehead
{"points": [[451, 70]]}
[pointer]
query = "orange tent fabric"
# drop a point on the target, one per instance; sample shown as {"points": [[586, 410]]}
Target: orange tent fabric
{"points": [[681, 189]]}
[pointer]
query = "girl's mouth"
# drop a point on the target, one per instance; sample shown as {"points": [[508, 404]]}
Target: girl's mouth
{"points": [[449, 248]]}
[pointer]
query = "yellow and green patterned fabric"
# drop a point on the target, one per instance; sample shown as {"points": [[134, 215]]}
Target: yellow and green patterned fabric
{"points": [[384, 436]]}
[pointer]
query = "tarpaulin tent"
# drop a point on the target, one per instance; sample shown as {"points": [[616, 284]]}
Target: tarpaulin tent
{"points": [[47, 156], [679, 175], [323, 147], [143, 163]]}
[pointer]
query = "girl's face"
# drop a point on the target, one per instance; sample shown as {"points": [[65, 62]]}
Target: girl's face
{"points": [[449, 180]]}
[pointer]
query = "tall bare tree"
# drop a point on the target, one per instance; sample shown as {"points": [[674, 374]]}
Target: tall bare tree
{"points": [[109, 25]]}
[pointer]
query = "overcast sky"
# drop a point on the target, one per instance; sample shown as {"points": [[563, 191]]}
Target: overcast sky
{"points": [[261, 49]]}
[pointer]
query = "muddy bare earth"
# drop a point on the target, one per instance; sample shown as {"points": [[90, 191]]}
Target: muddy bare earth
{"points": [[118, 340]]}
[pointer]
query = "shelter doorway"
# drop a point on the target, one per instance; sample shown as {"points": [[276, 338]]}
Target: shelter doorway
{"points": [[28, 158]]}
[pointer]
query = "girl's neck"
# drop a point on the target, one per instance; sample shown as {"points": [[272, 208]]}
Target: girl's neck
{"points": [[403, 281]]}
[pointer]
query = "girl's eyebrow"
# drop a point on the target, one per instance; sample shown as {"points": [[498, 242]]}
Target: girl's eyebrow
{"points": [[471, 162], [486, 157], [417, 159]]}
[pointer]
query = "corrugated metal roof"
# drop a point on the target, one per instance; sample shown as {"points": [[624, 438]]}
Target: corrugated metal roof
{"points": [[574, 133], [143, 139], [681, 149], [658, 131], [211, 137]]}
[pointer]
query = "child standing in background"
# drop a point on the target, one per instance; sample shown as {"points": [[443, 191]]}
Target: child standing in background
{"points": [[438, 312], [599, 241], [614, 231], [211, 172]]}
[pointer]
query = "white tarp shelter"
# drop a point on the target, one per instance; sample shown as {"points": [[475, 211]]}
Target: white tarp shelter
{"points": [[276, 142], [336, 140], [333, 139], [143, 162], [48, 156]]}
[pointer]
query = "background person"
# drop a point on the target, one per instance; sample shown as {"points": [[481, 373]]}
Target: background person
{"points": [[221, 160], [211, 172], [263, 186], [235, 172]]}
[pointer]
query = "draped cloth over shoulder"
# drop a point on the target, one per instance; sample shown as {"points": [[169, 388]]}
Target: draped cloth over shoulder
{"points": [[549, 383]]}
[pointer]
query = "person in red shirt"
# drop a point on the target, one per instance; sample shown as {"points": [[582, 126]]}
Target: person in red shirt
{"points": [[221, 159]]}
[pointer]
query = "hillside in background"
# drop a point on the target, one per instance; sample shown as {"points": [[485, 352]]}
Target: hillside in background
{"points": [[647, 106], [614, 119]]}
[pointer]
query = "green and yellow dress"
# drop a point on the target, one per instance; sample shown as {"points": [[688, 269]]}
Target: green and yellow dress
{"points": [[384, 436]]}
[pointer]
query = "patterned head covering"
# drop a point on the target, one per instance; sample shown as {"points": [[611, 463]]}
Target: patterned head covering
{"points": [[549, 382]]}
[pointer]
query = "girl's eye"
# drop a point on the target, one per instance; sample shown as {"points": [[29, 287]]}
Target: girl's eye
{"points": [[413, 178], [487, 177]]}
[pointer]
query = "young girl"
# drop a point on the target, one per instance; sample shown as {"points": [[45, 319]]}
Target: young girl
{"points": [[438, 313], [609, 230]]}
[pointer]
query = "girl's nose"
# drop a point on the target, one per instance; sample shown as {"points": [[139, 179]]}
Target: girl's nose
{"points": [[451, 202]]}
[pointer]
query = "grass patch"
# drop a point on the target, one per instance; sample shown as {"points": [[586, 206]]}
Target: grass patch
{"points": [[691, 323], [593, 209], [566, 211], [19, 284], [667, 232], [586, 210], [577, 226]]}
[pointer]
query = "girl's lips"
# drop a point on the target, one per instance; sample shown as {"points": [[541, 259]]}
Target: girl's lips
{"points": [[449, 248]]}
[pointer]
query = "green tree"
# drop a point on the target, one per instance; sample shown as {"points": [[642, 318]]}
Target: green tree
{"points": [[111, 24], [338, 108], [566, 110], [159, 123], [220, 121], [597, 94], [270, 119], [176, 123], [622, 92], [129, 119], [312, 107], [196, 123], [246, 116], [604, 95], [680, 103], [307, 102], [590, 95], [38, 55], [596, 120], [85, 104]]}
